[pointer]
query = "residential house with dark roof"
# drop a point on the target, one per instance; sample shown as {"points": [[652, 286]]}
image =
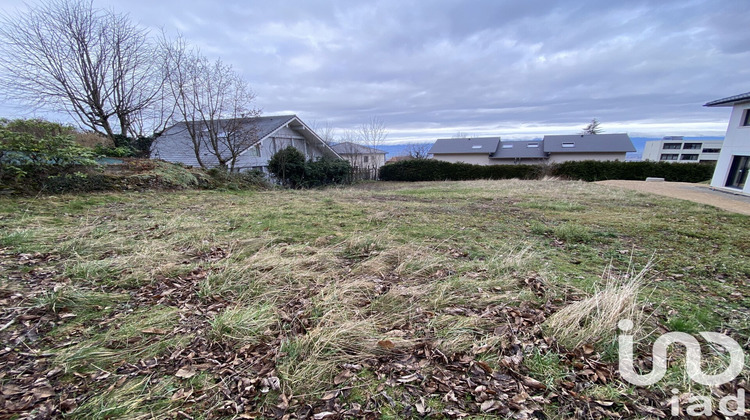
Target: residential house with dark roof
{"points": [[557, 148], [733, 164], [467, 150], [577, 147], [270, 134]]}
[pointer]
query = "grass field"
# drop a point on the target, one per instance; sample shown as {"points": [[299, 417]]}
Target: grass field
{"points": [[380, 300]]}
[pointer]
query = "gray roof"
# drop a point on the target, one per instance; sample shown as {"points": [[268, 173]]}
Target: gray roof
{"points": [[730, 100], [465, 145], [519, 149], [263, 126], [584, 143], [349, 148], [174, 144]]}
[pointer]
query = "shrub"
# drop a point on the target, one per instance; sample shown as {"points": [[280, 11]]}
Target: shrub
{"points": [[435, 170], [139, 147], [288, 166], [638, 171], [36, 146], [326, 171], [103, 150], [248, 180]]}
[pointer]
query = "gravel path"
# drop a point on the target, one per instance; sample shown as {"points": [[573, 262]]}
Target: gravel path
{"points": [[698, 193]]}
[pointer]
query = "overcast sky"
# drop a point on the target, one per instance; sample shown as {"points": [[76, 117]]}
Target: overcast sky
{"points": [[514, 69]]}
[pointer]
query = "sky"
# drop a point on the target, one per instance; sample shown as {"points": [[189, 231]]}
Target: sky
{"points": [[430, 69]]}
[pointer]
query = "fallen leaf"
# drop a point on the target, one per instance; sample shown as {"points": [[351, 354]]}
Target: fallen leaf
{"points": [[484, 366], [323, 415], [330, 395], [186, 372], [12, 390], [386, 344], [342, 377], [421, 407], [44, 392], [488, 405]]}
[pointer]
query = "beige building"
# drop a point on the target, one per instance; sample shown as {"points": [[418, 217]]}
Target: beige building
{"points": [[366, 161], [552, 149], [677, 149]]}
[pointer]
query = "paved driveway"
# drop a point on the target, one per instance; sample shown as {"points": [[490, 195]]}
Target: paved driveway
{"points": [[698, 193]]}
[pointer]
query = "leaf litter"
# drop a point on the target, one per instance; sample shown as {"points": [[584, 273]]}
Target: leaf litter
{"points": [[408, 371]]}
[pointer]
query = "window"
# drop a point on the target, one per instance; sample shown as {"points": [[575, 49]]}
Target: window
{"points": [[365, 159], [507, 146], [746, 119], [692, 146], [532, 145], [568, 145], [672, 146], [669, 157], [711, 150], [255, 151], [689, 157], [477, 146]]}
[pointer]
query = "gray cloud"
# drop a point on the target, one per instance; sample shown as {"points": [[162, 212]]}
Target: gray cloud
{"points": [[430, 68]]}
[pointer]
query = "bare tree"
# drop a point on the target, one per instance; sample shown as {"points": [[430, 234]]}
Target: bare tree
{"points": [[96, 65], [592, 128], [373, 132], [213, 101], [419, 150], [326, 131]]}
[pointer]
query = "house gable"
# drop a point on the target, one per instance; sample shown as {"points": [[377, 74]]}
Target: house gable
{"points": [[274, 133]]}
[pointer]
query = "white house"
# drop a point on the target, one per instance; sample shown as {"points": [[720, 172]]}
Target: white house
{"points": [[677, 149], [360, 156], [365, 160], [270, 134], [734, 160], [553, 149]]}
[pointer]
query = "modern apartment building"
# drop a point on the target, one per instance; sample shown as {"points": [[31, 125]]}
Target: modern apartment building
{"points": [[677, 149], [734, 162]]}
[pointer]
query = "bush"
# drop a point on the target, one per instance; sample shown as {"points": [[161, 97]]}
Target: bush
{"points": [[636, 171], [326, 171], [248, 180], [118, 152], [139, 147], [36, 146], [288, 166], [435, 170]]}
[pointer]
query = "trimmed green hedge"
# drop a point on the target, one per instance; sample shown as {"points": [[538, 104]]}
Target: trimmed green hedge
{"points": [[590, 170], [435, 170]]}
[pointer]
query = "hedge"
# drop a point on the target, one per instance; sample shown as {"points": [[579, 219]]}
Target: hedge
{"points": [[590, 170], [435, 170]]}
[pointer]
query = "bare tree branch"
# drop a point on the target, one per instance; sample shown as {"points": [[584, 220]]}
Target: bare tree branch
{"points": [[373, 132], [95, 65], [213, 101]]}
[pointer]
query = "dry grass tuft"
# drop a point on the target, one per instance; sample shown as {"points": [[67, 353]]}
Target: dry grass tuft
{"points": [[594, 320]]}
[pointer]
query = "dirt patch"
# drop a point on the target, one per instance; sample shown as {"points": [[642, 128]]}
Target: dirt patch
{"points": [[697, 193]]}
